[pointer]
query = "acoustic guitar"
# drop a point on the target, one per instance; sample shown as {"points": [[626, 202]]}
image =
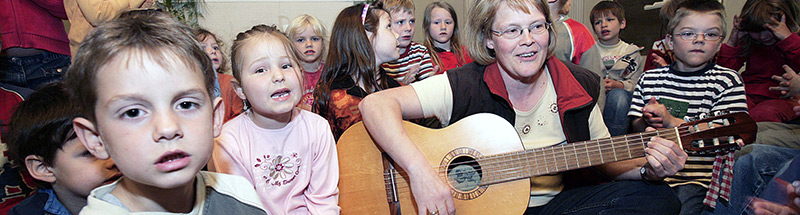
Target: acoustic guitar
{"points": [[482, 159]]}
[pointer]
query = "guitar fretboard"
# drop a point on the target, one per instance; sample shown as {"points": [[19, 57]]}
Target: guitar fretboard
{"points": [[548, 160]]}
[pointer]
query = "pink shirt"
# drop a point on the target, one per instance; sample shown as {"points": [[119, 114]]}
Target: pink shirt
{"points": [[293, 169]]}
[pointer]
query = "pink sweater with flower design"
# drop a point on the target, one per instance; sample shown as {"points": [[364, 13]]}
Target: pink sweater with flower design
{"points": [[293, 169]]}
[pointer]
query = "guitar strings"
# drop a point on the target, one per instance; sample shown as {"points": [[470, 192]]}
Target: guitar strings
{"points": [[402, 186], [604, 151], [487, 161], [641, 138]]}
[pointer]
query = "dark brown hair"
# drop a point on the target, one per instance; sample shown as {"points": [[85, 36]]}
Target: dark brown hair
{"points": [[350, 55], [755, 14], [41, 125], [149, 31], [604, 8]]}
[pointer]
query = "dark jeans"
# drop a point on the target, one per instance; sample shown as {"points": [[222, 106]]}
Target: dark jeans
{"points": [[615, 112], [752, 172], [33, 71], [621, 197]]}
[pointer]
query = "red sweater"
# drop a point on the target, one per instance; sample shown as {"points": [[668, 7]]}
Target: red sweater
{"points": [[763, 63], [34, 24]]}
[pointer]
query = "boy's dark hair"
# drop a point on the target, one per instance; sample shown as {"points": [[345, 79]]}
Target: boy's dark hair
{"points": [[697, 6], [149, 31], [604, 8], [41, 125]]}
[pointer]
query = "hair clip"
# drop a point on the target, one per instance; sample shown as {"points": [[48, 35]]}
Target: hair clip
{"points": [[364, 13]]}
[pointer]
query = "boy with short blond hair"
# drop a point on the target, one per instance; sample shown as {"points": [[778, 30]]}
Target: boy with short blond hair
{"points": [[415, 62], [145, 90], [689, 89], [620, 65], [42, 142]]}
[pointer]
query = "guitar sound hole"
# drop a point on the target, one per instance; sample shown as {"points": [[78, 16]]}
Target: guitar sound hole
{"points": [[464, 174]]}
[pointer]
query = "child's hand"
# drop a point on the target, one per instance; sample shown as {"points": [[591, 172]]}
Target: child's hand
{"points": [[411, 75], [657, 116], [780, 30], [612, 84], [764, 207], [658, 60], [736, 35], [796, 108], [788, 83]]}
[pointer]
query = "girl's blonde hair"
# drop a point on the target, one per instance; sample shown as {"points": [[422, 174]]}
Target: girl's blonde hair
{"points": [[303, 21], [201, 35], [455, 42]]}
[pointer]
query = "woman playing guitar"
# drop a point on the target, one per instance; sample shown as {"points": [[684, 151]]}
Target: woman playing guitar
{"points": [[549, 103]]}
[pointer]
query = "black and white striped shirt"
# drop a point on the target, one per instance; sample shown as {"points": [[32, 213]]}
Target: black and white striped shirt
{"points": [[690, 96]]}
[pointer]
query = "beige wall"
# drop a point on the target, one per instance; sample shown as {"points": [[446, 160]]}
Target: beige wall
{"points": [[226, 18]]}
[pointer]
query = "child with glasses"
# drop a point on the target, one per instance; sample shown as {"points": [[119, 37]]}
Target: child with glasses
{"points": [[691, 88]]}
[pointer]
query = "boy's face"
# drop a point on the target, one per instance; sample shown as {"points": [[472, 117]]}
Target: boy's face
{"points": [[78, 172], [155, 118], [694, 54], [403, 24], [607, 28], [270, 80]]}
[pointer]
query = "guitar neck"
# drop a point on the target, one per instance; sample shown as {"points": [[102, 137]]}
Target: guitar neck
{"points": [[548, 160]]}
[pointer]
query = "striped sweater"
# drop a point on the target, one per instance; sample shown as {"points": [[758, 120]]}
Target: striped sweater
{"points": [[691, 96], [415, 54]]}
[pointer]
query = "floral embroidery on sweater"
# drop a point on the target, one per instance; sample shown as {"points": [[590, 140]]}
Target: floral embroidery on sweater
{"points": [[278, 170]]}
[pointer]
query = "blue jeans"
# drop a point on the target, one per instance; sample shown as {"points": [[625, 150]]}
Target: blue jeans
{"points": [[751, 173], [33, 71], [620, 197], [615, 112]]}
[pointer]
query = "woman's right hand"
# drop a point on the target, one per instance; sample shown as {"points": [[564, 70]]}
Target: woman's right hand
{"points": [[431, 193], [736, 34]]}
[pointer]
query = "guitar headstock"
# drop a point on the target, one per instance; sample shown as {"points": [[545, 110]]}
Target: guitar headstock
{"points": [[717, 134]]}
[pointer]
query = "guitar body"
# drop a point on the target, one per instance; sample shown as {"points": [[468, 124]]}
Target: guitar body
{"points": [[483, 161], [362, 183]]}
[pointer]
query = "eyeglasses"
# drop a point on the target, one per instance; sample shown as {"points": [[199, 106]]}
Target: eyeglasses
{"points": [[691, 36], [514, 31]]}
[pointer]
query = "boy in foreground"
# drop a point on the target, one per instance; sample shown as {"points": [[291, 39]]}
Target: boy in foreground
{"points": [[144, 86]]}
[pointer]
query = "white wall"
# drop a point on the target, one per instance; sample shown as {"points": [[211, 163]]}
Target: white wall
{"points": [[226, 18]]}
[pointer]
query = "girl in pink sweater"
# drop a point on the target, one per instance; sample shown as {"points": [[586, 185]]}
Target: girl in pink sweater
{"points": [[288, 154]]}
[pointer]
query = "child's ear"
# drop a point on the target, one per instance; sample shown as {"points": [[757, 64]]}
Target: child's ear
{"points": [[38, 169], [622, 24], [90, 137], [238, 89], [668, 37], [219, 115]]}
